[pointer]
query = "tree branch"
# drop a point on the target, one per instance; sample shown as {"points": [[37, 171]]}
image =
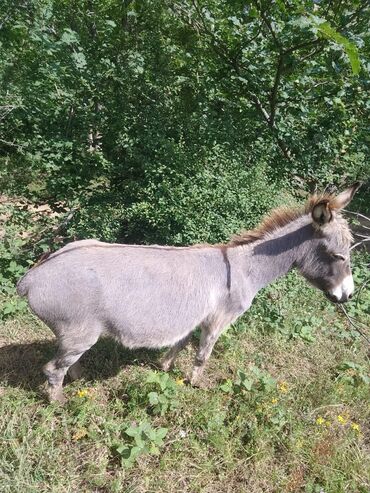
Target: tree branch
{"points": [[272, 32], [274, 90], [306, 44], [355, 15], [311, 54], [5, 110], [10, 144]]}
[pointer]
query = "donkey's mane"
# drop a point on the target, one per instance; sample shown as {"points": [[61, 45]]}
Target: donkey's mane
{"points": [[279, 218]]}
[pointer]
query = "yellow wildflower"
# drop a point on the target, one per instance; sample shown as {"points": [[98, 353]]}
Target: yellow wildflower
{"points": [[82, 393], [179, 381], [283, 387], [341, 419], [320, 420], [274, 400], [327, 423], [355, 427]]}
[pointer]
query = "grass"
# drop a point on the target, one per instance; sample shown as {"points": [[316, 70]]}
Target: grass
{"points": [[285, 409]]}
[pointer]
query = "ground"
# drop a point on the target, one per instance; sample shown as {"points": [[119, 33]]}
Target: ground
{"points": [[284, 408]]}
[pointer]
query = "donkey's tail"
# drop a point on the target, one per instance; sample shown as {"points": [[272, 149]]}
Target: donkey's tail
{"points": [[23, 285]]}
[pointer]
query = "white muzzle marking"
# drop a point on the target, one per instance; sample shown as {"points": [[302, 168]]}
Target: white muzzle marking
{"points": [[344, 290]]}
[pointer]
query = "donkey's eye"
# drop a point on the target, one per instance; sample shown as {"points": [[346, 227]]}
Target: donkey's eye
{"points": [[338, 256]]}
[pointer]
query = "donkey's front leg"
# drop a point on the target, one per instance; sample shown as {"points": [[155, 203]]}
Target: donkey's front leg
{"points": [[208, 338]]}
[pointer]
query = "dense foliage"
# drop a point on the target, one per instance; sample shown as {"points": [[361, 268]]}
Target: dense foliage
{"points": [[176, 122]]}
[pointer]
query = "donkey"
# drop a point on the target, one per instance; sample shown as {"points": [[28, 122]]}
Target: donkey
{"points": [[155, 296]]}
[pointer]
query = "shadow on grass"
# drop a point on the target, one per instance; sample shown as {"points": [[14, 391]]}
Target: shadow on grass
{"points": [[21, 364]]}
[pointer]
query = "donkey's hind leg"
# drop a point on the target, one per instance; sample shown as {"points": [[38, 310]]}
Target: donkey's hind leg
{"points": [[169, 358], [69, 352]]}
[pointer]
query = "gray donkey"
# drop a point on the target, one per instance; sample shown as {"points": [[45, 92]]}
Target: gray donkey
{"points": [[155, 296]]}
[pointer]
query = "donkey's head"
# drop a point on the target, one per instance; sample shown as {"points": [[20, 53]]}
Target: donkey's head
{"points": [[327, 262]]}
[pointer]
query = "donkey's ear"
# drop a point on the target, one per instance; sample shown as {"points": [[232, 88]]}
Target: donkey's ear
{"points": [[321, 213], [344, 198]]}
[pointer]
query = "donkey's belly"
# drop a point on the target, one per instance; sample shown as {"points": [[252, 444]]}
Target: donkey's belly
{"points": [[151, 339], [144, 313], [146, 335], [137, 325]]}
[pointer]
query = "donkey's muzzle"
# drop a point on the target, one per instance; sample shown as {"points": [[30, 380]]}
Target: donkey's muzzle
{"points": [[334, 299], [343, 292]]}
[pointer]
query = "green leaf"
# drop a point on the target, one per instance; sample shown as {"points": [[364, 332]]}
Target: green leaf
{"points": [[132, 431], [153, 398], [235, 20], [161, 433], [243, 381], [162, 399], [248, 384], [227, 386], [79, 59], [328, 32], [268, 382], [365, 378], [153, 377], [306, 334], [69, 37], [350, 48], [124, 451], [135, 452]]}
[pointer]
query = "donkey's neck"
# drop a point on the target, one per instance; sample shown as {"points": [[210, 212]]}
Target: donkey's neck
{"points": [[276, 254]]}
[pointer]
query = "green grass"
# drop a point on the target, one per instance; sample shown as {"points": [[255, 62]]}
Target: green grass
{"points": [[282, 411]]}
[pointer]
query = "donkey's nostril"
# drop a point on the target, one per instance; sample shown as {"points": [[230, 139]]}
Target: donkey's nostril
{"points": [[350, 296]]}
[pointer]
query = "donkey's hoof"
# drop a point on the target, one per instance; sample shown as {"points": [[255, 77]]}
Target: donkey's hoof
{"points": [[166, 365], [199, 383], [56, 395]]}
